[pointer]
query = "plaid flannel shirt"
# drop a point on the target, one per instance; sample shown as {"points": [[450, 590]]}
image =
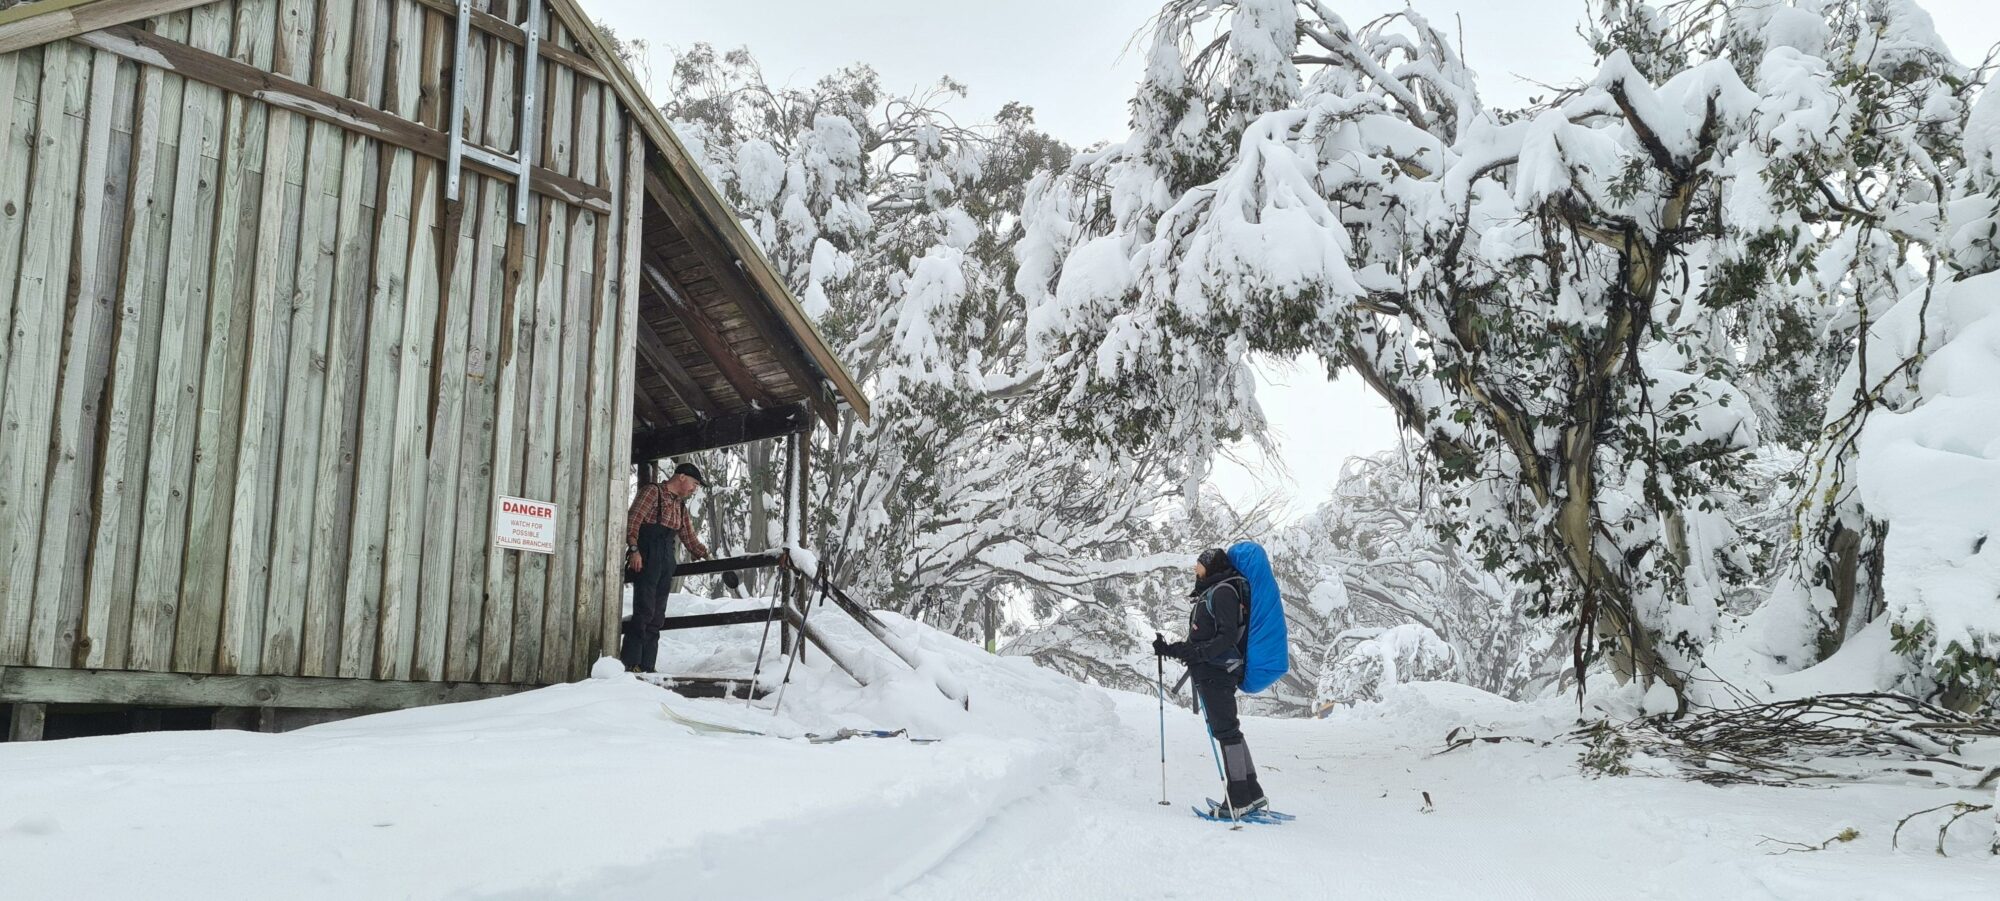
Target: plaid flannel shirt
{"points": [[655, 504]]}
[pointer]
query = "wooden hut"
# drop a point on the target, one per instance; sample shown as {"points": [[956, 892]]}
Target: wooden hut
{"points": [[294, 293]]}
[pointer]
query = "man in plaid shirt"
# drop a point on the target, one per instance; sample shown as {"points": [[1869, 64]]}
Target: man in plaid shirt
{"points": [[658, 515]]}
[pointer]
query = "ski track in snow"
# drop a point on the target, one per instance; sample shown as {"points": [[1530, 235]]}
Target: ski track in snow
{"points": [[1046, 789], [1510, 821]]}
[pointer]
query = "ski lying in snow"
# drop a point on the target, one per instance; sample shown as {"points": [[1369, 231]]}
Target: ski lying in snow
{"points": [[846, 734], [1265, 817], [705, 727], [708, 728]]}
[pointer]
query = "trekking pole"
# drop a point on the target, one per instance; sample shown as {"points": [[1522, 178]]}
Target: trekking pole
{"points": [[1160, 684], [1216, 750], [799, 646], [757, 672], [1212, 746]]}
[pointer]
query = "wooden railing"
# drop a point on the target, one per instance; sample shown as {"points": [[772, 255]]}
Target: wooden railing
{"points": [[784, 609]]}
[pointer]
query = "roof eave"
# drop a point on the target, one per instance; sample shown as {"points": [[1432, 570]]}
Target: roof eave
{"points": [[716, 211], [34, 24]]}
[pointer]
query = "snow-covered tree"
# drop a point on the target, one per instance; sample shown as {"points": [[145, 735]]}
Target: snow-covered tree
{"points": [[1372, 558], [1589, 310], [895, 223], [1105, 637], [1360, 663], [1903, 506]]}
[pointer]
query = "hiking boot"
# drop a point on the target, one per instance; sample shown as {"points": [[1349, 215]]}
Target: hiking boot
{"points": [[1223, 811]]}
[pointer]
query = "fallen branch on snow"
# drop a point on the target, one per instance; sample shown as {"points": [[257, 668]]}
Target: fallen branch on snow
{"points": [[1846, 835], [1824, 739], [1961, 810], [1453, 741]]}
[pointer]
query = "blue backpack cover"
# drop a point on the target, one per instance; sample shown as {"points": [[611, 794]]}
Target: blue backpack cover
{"points": [[1266, 649]]}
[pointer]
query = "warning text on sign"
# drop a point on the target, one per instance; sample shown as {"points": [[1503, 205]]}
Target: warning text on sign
{"points": [[521, 524]]}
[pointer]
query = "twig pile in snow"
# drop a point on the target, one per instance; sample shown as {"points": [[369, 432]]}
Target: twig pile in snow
{"points": [[1829, 738]]}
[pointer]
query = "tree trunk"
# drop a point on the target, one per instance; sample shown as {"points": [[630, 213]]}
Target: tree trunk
{"points": [[1844, 561], [1635, 648], [1854, 564], [759, 539]]}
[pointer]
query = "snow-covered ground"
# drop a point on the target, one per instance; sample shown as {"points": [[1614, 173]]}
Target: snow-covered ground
{"points": [[1044, 789]]}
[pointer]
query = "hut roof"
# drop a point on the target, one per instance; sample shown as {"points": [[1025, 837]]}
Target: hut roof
{"points": [[724, 352]]}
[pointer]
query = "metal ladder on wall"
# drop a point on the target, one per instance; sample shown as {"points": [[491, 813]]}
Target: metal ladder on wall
{"points": [[523, 161]]}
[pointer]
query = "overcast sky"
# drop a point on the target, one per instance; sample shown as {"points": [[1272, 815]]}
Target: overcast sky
{"points": [[1068, 59]]}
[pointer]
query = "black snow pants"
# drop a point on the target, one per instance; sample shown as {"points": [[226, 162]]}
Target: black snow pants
{"points": [[641, 647], [1215, 688]]}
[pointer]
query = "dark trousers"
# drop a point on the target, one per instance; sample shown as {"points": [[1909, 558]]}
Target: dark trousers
{"points": [[1215, 689], [649, 598]]}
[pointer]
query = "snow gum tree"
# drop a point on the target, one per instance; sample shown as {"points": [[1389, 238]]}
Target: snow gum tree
{"points": [[1371, 559], [1589, 310], [894, 223], [1900, 510]]}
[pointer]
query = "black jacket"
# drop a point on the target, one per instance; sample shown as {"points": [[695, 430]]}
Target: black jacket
{"points": [[1215, 625]]}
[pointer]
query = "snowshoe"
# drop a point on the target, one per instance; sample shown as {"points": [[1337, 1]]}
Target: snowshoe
{"points": [[1258, 811]]}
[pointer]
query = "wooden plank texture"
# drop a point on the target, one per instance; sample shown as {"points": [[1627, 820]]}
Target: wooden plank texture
{"points": [[713, 210], [275, 266], [60, 582], [453, 325], [595, 564], [361, 629], [724, 431], [402, 542], [538, 461], [328, 587], [618, 479], [20, 93], [82, 686], [307, 366], [501, 29], [218, 443], [261, 382], [567, 118], [164, 530], [114, 546], [515, 356], [40, 297], [25, 721], [249, 81], [476, 470], [50, 23]]}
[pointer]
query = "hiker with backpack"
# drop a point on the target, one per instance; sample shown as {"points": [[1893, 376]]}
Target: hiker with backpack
{"points": [[1216, 653]]}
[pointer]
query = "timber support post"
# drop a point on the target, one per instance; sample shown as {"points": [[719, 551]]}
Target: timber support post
{"points": [[802, 455], [27, 721]]}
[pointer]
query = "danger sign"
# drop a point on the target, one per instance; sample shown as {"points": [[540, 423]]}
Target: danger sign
{"points": [[524, 525]]}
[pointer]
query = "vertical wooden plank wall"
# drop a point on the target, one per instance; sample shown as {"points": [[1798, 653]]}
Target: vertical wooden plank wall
{"points": [[260, 382], [496, 627], [320, 58], [625, 308]]}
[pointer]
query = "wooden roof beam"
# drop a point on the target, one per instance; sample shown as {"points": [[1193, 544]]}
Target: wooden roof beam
{"points": [[33, 24], [723, 265], [708, 200], [646, 407], [722, 431], [655, 353], [705, 333]]}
